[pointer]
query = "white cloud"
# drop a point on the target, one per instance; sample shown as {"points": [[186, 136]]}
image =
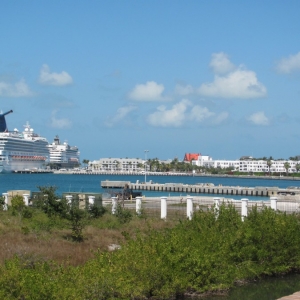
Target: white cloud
{"points": [[18, 89], [122, 112], [184, 90], [199, 113], [221, 64], [181, 112], [62, 123], [237, 84], [289, 64], [231, 81], [173, 117], [259, 118], [150, 91], [58, 79]]}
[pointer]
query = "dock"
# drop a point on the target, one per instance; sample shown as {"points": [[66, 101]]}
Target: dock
{"points": [[33, 171], [202, 188]]}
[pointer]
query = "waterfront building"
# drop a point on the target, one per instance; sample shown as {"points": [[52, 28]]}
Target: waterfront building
{"points": [[276, 166], [248, 164], [118, 164], [188, 157], [245, 164], [208, 162]]}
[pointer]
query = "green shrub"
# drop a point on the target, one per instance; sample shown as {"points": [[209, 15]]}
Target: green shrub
{"points": [[51, 204], [2, 202], [17, 205], [78, 219], [124, 215], [208, 253], [96, 211]]}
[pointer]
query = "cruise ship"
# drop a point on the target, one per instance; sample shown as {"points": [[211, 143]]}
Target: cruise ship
{"points": [[63, 155], [21, 151]]}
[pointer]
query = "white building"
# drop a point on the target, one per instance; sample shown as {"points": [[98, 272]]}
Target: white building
{"points": [[247, 165], [117, 164], [207, 161]]}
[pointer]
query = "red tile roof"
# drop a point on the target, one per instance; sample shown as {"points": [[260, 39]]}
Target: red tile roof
{"points": [[191, 156]]}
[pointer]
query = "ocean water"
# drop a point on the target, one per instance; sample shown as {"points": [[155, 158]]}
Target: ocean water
{"points": [[92, 183]]}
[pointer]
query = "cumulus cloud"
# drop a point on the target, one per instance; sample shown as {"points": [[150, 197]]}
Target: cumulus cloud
{"points": [[179, 114], [199, 113], [259, 118], [57, 79], [18, 89], [62, 123], [289, 64], [237, 84], [232, 82], [173, 117], [150, 91], [184, 90], [221, 64], [122, 112]]}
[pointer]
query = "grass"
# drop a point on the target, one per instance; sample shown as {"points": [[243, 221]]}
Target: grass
{"points": [[43, 238]]}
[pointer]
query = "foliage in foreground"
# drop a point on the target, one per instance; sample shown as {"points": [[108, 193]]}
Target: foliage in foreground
{"points": [[207, 253]]}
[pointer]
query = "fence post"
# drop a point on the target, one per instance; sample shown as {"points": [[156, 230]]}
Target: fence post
{"points": [[91, 200], [26, 199], [138, 205], [163, 212], [114, 205], [189, 207], [244, 208], [273, 201], [217, 207], [5, 206], [69, 199]]}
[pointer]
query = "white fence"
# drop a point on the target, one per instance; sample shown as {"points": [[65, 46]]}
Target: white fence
{"points": [[166, 207]]}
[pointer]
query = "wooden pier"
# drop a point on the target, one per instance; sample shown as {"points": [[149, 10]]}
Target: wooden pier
{"points": [[201, 188]]}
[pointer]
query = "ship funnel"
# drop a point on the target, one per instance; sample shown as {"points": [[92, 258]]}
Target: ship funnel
{"points": [[3, 126]]}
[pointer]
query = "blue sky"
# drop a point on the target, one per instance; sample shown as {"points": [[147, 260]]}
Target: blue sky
{"points": [[220, 78]]}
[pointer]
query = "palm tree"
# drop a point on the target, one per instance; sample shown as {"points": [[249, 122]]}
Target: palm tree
{"points": [[140, 165], [269, 164], [85, 162], [287, 166]]}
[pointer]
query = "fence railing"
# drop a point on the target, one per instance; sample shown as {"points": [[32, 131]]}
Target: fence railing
{"points": [[165, 207], [168, 207]]}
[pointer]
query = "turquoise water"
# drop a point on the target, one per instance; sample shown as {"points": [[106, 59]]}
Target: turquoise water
{"points": [[91, 183]]}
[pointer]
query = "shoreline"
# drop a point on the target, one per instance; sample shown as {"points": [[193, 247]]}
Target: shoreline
{"points": [[177, 175]]}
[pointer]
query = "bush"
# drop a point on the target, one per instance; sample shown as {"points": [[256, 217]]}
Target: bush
{"points": [[96, 211], [124, 215], [2, 202], [78, 219], [51, 204]]}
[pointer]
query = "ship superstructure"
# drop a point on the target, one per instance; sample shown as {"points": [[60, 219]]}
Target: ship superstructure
{"points": [[20, 151], [63, 155]]}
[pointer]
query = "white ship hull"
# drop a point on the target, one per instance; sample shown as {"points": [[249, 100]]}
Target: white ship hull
{"points": [[21, 165], [21, 151], [63, 155]]}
